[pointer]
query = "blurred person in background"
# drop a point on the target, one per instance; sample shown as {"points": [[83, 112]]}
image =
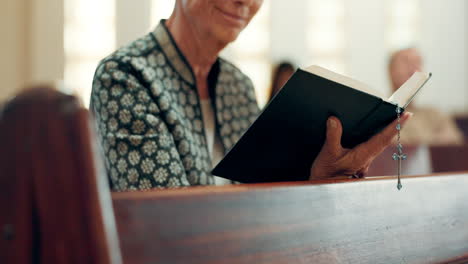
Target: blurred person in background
{"points": [[428, 125], [281, 74], [167, 107]]}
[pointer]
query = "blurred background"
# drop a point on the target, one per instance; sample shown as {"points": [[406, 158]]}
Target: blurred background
{"points": [[46, 40]]}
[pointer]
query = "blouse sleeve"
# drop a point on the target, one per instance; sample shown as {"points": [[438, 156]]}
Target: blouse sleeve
{"points": [[139, 150]]}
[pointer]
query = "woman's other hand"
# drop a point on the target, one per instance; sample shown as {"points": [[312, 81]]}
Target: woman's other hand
{"points": [[337, 162]]}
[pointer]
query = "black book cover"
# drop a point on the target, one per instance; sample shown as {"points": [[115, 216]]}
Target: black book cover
{"points": [[287, 136]]}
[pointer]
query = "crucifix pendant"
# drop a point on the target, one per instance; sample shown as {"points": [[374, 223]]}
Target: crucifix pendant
{"points": [[399, 156]]}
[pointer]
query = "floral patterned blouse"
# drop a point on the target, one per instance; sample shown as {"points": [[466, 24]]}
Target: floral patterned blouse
{"points": [[149, 118]]}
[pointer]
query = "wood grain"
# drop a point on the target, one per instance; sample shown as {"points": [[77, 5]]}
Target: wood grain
{"points": [[449, 158], [58, 207], [368, 221], [462, 123]]}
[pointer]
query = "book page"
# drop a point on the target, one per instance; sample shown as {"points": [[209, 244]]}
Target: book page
{"points": [[338, 78], [405, 94]]}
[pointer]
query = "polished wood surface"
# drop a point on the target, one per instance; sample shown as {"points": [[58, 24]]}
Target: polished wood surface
{"points": [[449, 158], [54, 207], [462, 123], [364, 221]]}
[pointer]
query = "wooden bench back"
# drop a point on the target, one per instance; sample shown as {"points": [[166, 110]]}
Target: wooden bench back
{"points": [[369, 221], [418, 162], [449, 158], [422, 160], [462, 123], [54, 207]]}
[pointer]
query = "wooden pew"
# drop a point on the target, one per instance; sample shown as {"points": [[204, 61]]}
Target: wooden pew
{"points": [[56, 208], [449, 158], [418, 162], [462, 123], [422, 160], [368, 221]]}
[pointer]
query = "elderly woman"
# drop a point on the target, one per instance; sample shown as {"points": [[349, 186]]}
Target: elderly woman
{"points": [[168, 107]]}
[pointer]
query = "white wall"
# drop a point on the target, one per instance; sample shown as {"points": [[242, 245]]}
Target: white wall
{"points": [[444, 44], [132, 20], [46, 51], [32, 43], [287, 39], [14, 70], [33, 47], [366, 49]]}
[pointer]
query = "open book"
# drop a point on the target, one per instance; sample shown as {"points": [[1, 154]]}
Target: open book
{"points": [[403, 96], [287, 136]]}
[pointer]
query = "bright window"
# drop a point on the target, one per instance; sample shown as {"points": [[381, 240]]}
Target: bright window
{"points": [[161, 9], [326, 34], [251, 52], [403, 24], [89, 36]]}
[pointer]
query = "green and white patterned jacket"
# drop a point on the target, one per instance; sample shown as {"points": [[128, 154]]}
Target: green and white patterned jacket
{"points": [[149, 117]]}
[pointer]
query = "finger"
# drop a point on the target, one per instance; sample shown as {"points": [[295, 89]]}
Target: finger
{"points": [[364, 171], [334, 132], [379, 142]]}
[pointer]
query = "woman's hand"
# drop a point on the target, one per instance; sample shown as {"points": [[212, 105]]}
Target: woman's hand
{"points": [[337, 162]]}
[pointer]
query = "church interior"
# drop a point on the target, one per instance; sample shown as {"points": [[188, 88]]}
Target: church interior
{"points": [[89, 175]]}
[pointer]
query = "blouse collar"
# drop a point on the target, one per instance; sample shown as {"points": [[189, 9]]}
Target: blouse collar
{"points": [[172, 52]]}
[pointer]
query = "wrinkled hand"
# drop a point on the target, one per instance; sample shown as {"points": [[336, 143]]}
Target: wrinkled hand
{"points": [[337, 162]]}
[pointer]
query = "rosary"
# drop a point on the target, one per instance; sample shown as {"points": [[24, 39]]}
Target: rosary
{"points": [[400, 155]]}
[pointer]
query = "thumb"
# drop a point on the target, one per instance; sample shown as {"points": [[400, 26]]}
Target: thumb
{"points": [[334, 132]]}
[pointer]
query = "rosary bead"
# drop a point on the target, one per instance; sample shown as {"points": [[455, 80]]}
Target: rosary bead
{"points": [[400, 155]]}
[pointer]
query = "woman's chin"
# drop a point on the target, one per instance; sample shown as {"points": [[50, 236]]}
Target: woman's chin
{"points": [[228, 35]]}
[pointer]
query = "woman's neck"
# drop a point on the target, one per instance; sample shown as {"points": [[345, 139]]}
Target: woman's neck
{"points": [[201, 51]]}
